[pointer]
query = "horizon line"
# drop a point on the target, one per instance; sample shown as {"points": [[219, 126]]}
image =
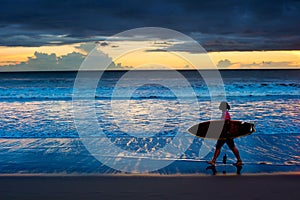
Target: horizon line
{"points": [[141, 70]]}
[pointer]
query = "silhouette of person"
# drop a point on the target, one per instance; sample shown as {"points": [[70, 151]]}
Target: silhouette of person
{"points": [[224, 107]]}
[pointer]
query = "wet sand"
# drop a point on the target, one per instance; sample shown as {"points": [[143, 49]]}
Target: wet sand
{"points": [[142, 187]]}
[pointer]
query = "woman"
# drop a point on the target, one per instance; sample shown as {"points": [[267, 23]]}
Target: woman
{"points": [[224, 107]]}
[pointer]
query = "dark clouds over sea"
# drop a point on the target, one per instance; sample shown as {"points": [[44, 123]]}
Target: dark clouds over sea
{"points": [[217, 25]]}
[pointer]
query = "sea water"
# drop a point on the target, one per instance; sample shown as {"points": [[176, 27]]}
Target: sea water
{"points": [[38, 133]]}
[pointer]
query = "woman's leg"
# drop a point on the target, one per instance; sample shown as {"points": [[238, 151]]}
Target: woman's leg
{"points": [[216, 154], [219, 145], [235, 151]]}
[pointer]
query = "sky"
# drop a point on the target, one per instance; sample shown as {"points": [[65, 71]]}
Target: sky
{"points": [[58, 35]]}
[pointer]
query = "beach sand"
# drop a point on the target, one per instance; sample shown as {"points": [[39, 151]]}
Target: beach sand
{"points": [[142, 187]]}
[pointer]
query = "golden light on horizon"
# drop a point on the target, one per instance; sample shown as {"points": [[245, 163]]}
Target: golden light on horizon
{"points": [[286, 58], [142, 58], [236, 59], [250, 59]]}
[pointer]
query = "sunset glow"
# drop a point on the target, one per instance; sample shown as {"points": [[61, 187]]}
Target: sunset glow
{"points": [[223, 60], [16, 55]]}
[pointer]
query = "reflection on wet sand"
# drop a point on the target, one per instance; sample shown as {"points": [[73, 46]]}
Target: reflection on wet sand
{"points": [[214, 169]]}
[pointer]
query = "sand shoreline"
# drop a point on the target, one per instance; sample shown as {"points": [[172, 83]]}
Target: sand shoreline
{"points": [[145, 186], [59, 175]]}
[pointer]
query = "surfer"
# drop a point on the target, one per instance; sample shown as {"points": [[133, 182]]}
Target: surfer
{"points": [[224, 107]]}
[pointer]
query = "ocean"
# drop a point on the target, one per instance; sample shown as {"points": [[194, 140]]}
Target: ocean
{"points": [[139, 116]]}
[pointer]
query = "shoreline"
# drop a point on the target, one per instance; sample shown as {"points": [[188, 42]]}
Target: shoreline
{"points": [[87, 175]]}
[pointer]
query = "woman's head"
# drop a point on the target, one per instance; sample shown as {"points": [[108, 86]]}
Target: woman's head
{"points": [[224, 106]]}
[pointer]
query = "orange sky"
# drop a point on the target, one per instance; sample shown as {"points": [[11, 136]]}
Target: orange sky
{"points": [[19, 54], [235, 59]]}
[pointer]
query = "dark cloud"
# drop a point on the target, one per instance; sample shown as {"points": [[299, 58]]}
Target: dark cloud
{"points": [[156, 50], [162, 44], [103, 44], [217, 25]]}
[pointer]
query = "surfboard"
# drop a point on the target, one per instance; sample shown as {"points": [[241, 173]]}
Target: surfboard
{"points": [[220, 130]]}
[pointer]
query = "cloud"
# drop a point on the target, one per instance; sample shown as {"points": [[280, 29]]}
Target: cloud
{"points": [[217, 25], [156, 50], [186, 46], [224, 63], [51, 62], [162, 44], [180, 45], [86, 47], [69, 61], [47, 62], [103, 44], [246, 42], [227, 64], [270, 65]]}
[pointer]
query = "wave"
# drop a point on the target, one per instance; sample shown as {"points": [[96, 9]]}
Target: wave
{"points": [[63, 90], [109, 98]]}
